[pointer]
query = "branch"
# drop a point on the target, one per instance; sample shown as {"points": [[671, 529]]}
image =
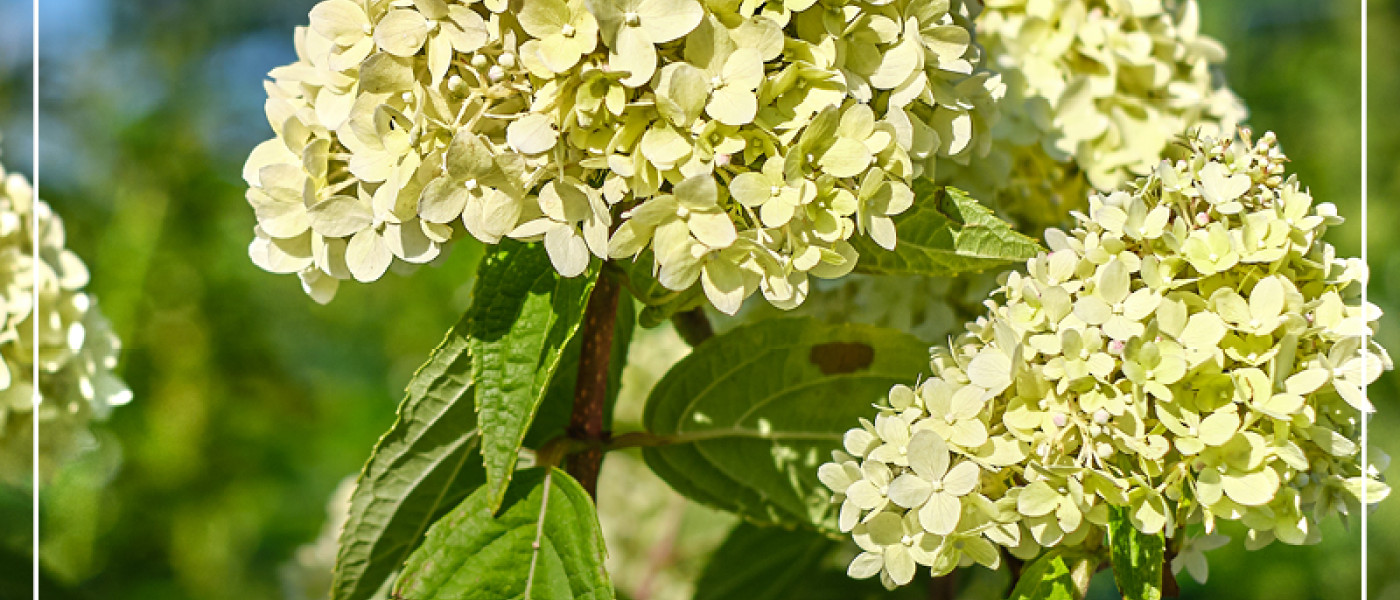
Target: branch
{"points": [[591, 390], [1170, 587]]}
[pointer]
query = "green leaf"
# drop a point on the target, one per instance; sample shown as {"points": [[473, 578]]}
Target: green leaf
{"points": [[762, 563], [945, 233], [1055, 575], [545, 544], [419, 469], [523, 316], [1137, 557], [751, 413]]}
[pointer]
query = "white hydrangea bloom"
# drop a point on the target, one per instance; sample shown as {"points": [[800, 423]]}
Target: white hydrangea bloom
{"points": [[1192, 351], [76, 347], [739, 145]]}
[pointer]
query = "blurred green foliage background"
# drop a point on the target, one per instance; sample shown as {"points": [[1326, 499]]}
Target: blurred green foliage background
{"points": [[253, 403]]}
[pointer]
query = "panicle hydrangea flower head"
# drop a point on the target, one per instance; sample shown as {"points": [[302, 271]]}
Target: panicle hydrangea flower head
{"points": [[1095, 91], [76, 347], [740, 142], [1192, 350]]}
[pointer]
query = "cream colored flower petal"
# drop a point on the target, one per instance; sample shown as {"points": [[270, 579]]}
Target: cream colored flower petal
{"points": [[882, 232], [928, 455], [634, 54], [732, 105], [865, 565], [367, 256], [533, 133], [909, 490], [342, 21], [442, 201], [962, 478], [320, 286], [663, 146], [1251, 489], [408, 242], [1037, 499], [567, 251], [467, 31], [279, 256], [666, 20], [724, 285], [402, 32], [542, 18], [776, 213], [899, 564], [845, 158], [340, 216], [1217, 428], [751, 189], [940, 515], [991, 370], [897, 64]]}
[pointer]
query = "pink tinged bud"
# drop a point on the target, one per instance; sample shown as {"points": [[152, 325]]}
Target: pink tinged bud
{"points": [[1059, 419], [1116, 346], [1202, 219], [721, 160]]}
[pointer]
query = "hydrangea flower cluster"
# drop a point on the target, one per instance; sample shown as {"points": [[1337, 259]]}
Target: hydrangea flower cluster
{"points": [[1096, 90], [1192, 351], [742, 142], [76, 348]]}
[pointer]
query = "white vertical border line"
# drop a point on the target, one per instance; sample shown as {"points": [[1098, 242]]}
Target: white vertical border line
{"points": [[37, 309], [1365, 298]]}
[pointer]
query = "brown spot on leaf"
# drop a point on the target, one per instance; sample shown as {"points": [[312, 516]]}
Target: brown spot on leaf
{"points": [[842, 357]]}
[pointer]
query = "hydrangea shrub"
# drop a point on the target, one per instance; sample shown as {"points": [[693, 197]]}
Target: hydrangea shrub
{"points": [[1190, 353]]}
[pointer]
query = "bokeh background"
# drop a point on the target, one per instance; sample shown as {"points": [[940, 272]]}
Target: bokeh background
{"points": [[253, 403]]}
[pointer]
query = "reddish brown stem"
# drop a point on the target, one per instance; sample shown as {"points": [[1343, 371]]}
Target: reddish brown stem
{"points": [[591, 390], [1170, 588]]}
